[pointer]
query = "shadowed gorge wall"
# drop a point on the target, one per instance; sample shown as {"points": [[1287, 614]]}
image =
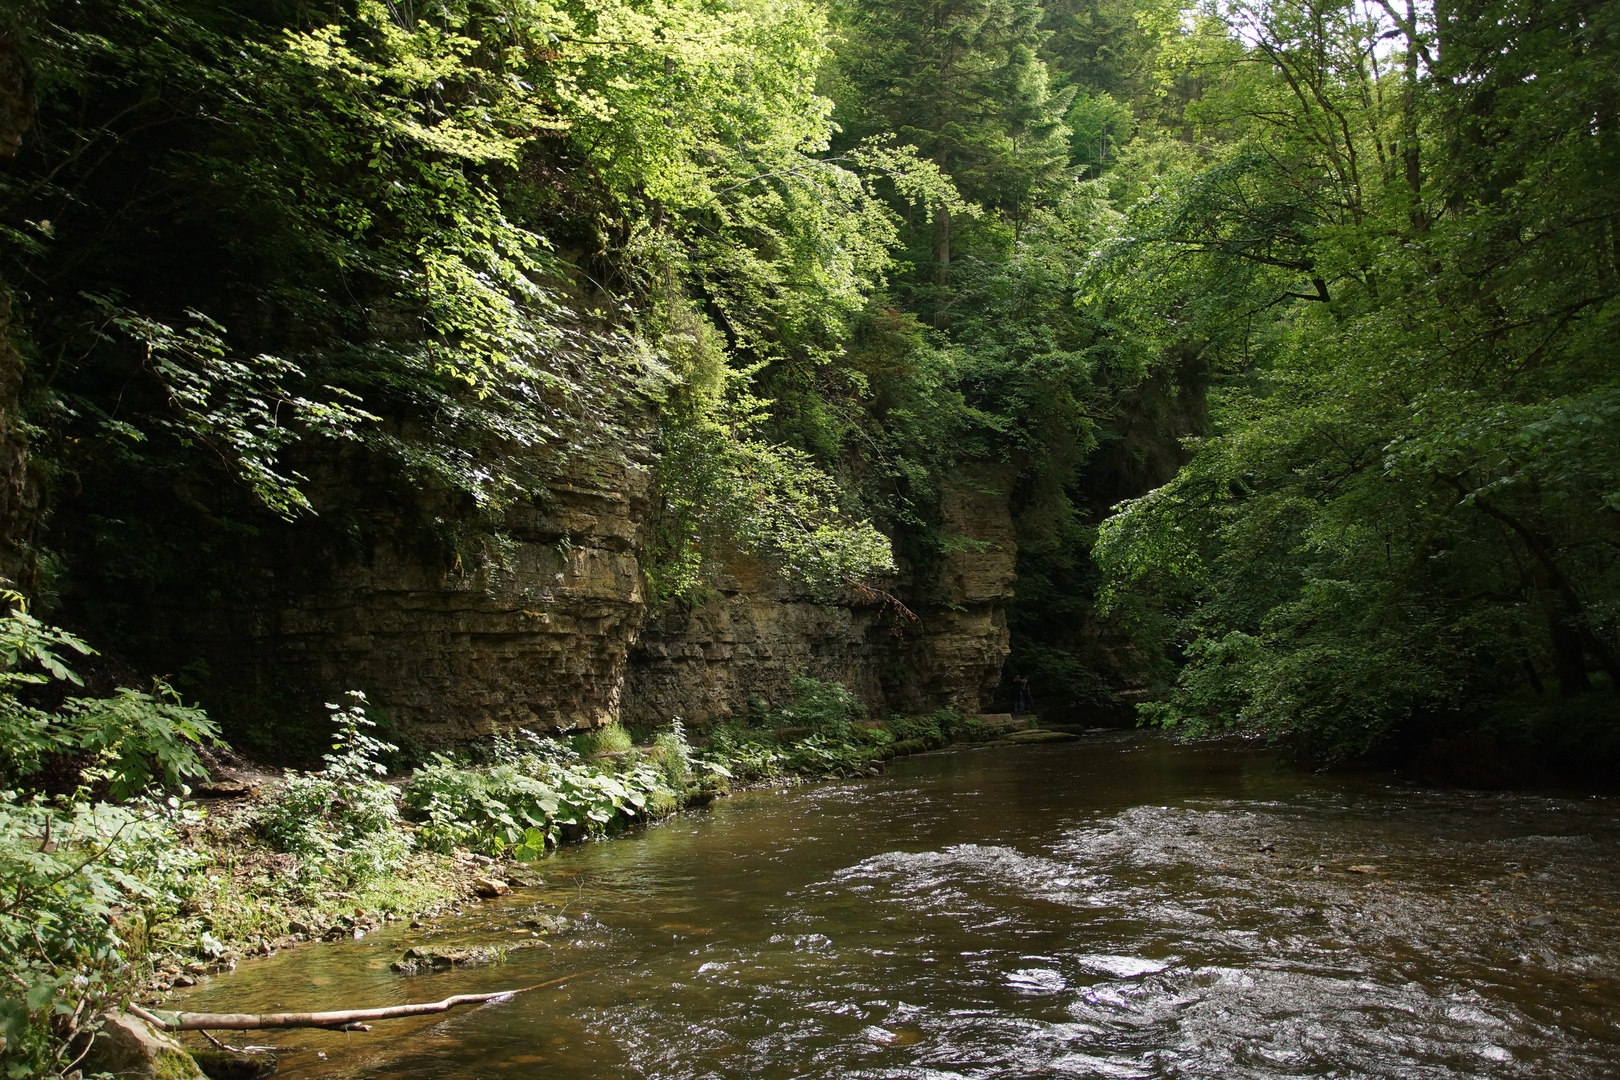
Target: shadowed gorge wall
{"points": [[19, 491], [449, 645], [551, 633], [748, 639]]}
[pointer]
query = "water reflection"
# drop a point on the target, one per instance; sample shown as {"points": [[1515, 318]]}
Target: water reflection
{"points": [[1115, 907]]}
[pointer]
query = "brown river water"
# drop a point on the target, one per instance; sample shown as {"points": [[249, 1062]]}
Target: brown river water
{"points": [[1120, 906]]}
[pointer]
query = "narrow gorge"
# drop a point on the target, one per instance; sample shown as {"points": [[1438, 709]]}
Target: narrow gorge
{"points": [[438, 434]]}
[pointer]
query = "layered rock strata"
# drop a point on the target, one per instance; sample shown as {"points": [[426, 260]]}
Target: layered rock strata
{"points": [[548, 629], [533, 635], [943, 647]]}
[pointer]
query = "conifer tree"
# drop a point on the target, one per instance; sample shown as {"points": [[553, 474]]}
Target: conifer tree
{"points": [[962, 81]]}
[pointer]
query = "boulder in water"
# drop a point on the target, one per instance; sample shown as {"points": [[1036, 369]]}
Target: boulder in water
{"points": [[489, 888], [127, 1046], [419, 960]]}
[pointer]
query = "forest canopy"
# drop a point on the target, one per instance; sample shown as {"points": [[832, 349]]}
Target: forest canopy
{"points": [[1293, 322], [1288, 330], [1392, 233]]}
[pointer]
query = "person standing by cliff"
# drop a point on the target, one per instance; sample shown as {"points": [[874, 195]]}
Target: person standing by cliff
{"points": [[1021, 695]]}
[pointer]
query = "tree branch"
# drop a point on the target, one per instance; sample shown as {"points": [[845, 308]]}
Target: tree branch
{"points": [[343, 1018]]}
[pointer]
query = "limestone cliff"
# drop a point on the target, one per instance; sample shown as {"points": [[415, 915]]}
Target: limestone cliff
{"points": [[550, 632], [945, 646], [533, 635]]}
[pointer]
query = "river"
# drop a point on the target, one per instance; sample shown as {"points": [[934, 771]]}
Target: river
{"points": [[1120, 906]]}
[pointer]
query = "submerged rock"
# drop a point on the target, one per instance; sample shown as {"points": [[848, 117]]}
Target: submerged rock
{"points": [[1041, 735], [234, 1065], [418, 960], [129, 1046]]}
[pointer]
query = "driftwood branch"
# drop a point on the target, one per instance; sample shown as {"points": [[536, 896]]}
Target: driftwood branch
{"points": [[343, 1018]]}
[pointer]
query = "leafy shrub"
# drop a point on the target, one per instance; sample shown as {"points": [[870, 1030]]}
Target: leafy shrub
{"points": [[78, 876], [916, 733], [344, 820], [132, 737], [745, 756], [483, 809], [538, 793], [673, 756], [878, 741], [819, 754], [826, 708]]}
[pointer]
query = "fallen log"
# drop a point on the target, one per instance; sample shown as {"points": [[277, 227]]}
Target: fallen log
{"points": [[189, 1021]]}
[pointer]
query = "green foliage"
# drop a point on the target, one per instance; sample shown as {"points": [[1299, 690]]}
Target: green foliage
{"points": [[1396, 259], [821, 755], [383, 260], [745, 757], [962, 82], [723, 488], [913, 734], [346, 259], [1099, 126], [536, 795], [125, 737], [343, 821], [827, 708], [77, 876], [1106, 47], [674, 756]]}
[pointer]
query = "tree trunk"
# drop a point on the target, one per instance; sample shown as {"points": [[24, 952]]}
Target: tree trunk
{"points": [[1567, 623], [19, 484], [1569, 657]]}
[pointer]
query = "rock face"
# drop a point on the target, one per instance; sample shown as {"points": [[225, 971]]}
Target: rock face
{"points": [[745, 641], [451, 648], [554, 635], [946, 648], [544, 627], [966, 625]]}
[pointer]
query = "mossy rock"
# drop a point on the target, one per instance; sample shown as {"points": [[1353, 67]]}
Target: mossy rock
{"points": [[660, 804], [418, 961], [127, 1046]]}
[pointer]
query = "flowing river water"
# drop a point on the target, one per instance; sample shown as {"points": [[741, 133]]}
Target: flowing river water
{"points": [[1120, 906]]}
